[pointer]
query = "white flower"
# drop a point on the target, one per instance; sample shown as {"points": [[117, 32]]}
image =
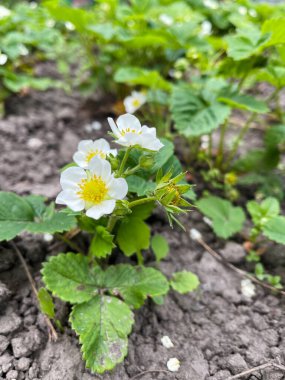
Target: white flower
{"points": [[166, 20], [69, 25], [247, 288], [94, 126], [129, 132], [252, 13], [3, 59], [242, 11], [195, 234], [173, 364], [206, 28], [48, 237], [166, 342], [87, 149], [134, 101], [210, 4], [94, 189], [4, 12]]}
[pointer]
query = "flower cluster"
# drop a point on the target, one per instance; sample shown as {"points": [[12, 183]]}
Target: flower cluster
{"points": [[91, 185]]}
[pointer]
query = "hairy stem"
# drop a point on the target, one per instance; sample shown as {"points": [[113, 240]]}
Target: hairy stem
{"points": [[141, 201], [140, 257], [221, 148], [111, 223], [70, 243], [124, 161]]}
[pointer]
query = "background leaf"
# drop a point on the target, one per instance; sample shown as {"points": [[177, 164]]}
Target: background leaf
{"points": [[160, 247], [133, 235], [184, 282], [274, 229]]}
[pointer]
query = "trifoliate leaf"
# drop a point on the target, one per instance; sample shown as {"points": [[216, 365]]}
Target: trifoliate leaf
{"points": [[133, 235], [226, 218], [274, 229], [46, 303], [159, 246], [192, 115], [184, 282], [102, 243], [58, 222], [70, 277], [262, 212], [103, 325]]}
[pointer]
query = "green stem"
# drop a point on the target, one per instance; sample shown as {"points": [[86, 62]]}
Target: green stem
{"points": [[124, 161], [111, 223], [220, 153], [69, 242], [140, 257], [132, 171], [141, 201]]}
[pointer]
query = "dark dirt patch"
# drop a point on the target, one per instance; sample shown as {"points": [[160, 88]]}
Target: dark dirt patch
{"points": [[216, 331]]}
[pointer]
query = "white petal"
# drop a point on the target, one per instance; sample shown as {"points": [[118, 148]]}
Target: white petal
{"points": [[118, 188], [80, 159], [166, 342], [70, 199], [114, 152], [128, 121], [132, 139], [106, 207], [128, 103], [122, 141], [114, 127], [100, 167], [71, 177], [101, 144], [146, 129], [85, 145], [150, 142]]}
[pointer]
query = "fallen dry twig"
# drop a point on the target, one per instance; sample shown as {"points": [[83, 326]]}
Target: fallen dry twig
{"points": [[258, 368], [52, 333]]}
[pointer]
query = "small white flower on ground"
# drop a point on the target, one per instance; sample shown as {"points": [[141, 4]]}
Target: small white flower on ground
{"points": [[195, 234], [173, 364], [94, 189], [48, 238], [134, 101], [87, 149], [166, 342], [207, 221], [247, 288], [166, 20], [4, 12], [206, 28], [3, 59], [129, 132]]}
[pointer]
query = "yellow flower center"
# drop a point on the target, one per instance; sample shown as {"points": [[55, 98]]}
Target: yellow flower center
{"points": [[129, 130], [136, 103], [93, 190], [93, 153]]}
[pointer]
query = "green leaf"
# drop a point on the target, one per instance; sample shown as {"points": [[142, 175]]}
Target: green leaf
{"points": [[227, 219], [139, 185], [184, 282], [160, 247], [46, 303], [144, 77], [262, 212], [133, 235], [103, 325], [192, 115], [274, 229], [244, 102], [102, 243], [275, 27], [143, 211], [58, 222], [15, 213], [70, 277], [275, 135]]}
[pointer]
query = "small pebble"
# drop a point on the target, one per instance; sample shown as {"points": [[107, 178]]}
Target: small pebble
{"points": [[34, 143], [166, 342], [247, 288], [12, 375]]}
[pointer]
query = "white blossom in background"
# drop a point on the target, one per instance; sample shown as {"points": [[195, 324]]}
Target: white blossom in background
{"points": [[87, 149], [242, 11], [166, 20], [206, 28], [95, 189], [4, 12], [94, 126], [129, 132], [48, 237], [252, 12], [195, 234], [205, 142], [23, 50], [166, 342], [247, 288], [173, 364], [50, 23], [134, 101], [33, 5], [211, 4], [3, 59], [69, 25], [207, 221]]}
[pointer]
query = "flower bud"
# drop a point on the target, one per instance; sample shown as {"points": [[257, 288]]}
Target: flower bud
{"points": [[146, 161]]}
